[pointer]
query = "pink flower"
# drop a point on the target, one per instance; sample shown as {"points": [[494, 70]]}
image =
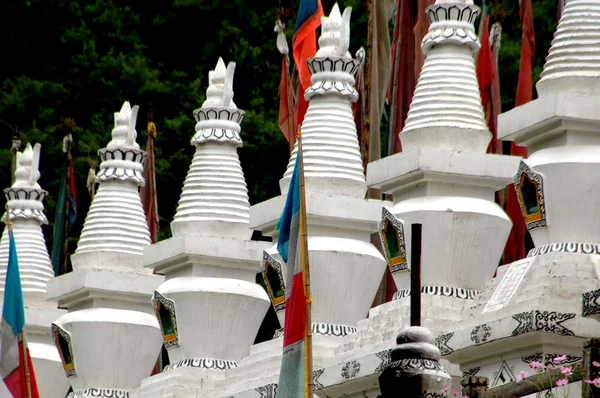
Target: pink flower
{"points": [[560, 358], [596, 364], [445, 389], [455, 394], [521, 376], [567, 371], [550, 366], [561, 382], [535, 365], [596, 382], [588, 381]]}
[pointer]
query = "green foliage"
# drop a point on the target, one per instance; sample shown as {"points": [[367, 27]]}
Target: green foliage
{"points": [[82, 59]]}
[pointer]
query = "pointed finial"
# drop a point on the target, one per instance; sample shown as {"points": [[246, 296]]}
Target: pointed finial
{"points": [[219, 93], [335, 34], [27, 173], [124, 134]]}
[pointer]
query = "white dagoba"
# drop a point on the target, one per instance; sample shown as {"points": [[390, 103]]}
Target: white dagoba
{"points": [[534, 308], [443, 180], [26, 212], [346, 269], [110, 339], [209, 307]]}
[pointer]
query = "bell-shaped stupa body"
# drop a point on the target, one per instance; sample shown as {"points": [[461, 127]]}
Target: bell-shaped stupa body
{"points": [[215, 197], [110, 318], [115, 231], [25, 210], [210, 258], [332, 160]]}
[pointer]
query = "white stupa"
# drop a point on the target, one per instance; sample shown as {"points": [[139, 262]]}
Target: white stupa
{"points": [[25, 210], [209, 307], [110, 339], [534, 308]]}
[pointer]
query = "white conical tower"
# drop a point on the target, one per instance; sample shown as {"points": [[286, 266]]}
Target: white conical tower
{"points": [[209, 307], [557, 187], [345, 268], [110, 319], [573, 63], [215, 197], [115, 228], [446, 109], [332, 160], [444, 140], [26, 212]]}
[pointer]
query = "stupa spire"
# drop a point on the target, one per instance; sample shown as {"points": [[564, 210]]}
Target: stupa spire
{"points": [[573, 63], [332, 160], [214, 199], [25, 210], [446, 111], [115, 225]]}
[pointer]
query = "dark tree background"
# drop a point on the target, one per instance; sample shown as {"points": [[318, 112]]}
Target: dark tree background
{"points": [[82, 59]]}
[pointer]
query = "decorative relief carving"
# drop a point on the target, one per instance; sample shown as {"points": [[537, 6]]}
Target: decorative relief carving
{"points": [[543, 321], [218, 124], [101, 392], [327, 329], [170, 339], [267, 391], [121, 164], [441, 342], [341, 81], [456, 292], [204, 363], [535, 216], [269, 261], [571, 247], [386, 359], [391, 228], [316, 374], [589, 301], [480, 333], [62, 340], [350, 370], [471, 372], [451, 23]]}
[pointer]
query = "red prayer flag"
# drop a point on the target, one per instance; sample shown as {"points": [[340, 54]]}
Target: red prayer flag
{"points": [[287, 111], [304, 45], [148, 191], [515, 247]]}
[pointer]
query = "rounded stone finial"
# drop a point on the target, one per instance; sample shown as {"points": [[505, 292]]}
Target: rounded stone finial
{"points": [[335, 34], [27, 173], [124, 134], [414, 366]]}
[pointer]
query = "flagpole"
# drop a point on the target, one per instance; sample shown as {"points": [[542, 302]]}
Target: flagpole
{"points": [[26, 364], [23, 340], [306, 273]]}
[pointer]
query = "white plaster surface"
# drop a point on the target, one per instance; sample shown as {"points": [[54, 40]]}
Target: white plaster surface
{"points": [[446, 111], [572, 62], [209, 256], [124, 349], [216, 317], [88, 288]]}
